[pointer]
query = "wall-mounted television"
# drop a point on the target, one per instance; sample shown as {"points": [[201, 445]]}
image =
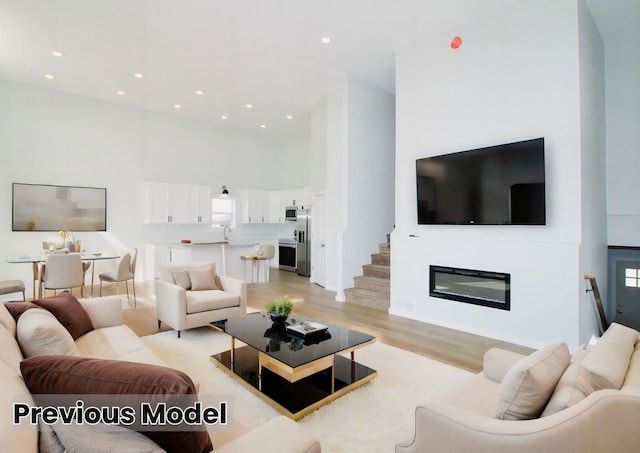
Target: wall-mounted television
{"points": [[495, 185], [41, 207]]}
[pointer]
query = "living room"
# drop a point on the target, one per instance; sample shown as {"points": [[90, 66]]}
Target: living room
{"points": [[525, 70]]}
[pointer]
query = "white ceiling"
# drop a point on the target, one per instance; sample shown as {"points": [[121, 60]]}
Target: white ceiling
{"points": [[263, 52]]}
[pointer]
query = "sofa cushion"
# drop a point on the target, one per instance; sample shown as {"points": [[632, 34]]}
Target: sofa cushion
{"points": [[181, 277], [40, 333], [17, 308], [7, 320], [10, 352], [199, 301], [15, 438], [607, 362], [527, 386], [71, 314], [573, 387], [110, 343], [632, 378], [202, 279], [47, 375]]}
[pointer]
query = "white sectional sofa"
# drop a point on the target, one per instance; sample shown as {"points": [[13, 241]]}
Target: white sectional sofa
{"points": [[546, 402], [109, 339]]}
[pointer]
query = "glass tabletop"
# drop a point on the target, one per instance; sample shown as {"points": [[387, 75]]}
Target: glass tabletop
{"points": [[36, 258], [258, 331]]}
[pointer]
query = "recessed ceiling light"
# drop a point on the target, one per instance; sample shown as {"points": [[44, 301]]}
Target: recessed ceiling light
{"points": [[48, 76], [249, 106], [289, 117], [263, 126], [224, 117], [137, 75], [325, 40], [120, 93], [199, 92], [56, 53], [177, 106]]}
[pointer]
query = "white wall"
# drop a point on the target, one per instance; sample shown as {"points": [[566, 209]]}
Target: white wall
{"points": [[516, 76], [623, 141], [370, 209], [318, 147], [360, 176], [55, 138], [593, 249]]}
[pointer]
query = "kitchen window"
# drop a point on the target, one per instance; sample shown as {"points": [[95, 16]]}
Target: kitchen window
{"points": [[222, 211]]}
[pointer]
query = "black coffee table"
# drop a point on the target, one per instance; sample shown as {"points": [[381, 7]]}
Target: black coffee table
{"points": [[294, 374]]}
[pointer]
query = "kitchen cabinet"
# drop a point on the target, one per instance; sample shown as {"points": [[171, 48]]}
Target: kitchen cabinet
{"points": [[295, 197], [268, 206], [254, 206], [177, 203], [198, 204]]}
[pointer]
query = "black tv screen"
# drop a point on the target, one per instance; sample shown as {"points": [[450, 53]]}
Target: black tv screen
{"points": [[496, 185]]}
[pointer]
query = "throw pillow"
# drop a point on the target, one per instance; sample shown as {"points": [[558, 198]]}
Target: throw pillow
{"points": [[120, 380], [202, 279], [17, 308], [39, 333], [71, 314], [102, 438], [181, 277], [573, 387], [607, 362], [527, 386]]}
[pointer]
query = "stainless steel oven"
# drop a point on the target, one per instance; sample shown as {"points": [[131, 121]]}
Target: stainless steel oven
{"points": [[287, 254]]}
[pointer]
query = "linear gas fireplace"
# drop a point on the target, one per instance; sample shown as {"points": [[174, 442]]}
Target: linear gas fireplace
{"points": [[489, 289]]}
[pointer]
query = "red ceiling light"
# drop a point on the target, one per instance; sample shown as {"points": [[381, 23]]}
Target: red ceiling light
{"points": [[456, 42]]}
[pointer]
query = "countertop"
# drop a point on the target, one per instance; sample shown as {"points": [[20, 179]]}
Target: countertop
{"points": [[227, 243]]}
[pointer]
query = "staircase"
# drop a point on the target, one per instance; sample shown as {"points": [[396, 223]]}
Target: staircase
{"points": [[372, 289]]}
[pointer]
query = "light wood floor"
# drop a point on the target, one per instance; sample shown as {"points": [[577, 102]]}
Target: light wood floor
{"points": [[312, 301]]}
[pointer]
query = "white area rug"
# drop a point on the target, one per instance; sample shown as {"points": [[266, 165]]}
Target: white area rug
{"points": [[370, 419]]}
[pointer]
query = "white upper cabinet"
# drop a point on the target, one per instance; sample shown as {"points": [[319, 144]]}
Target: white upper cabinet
{"points": [[254, 206], [198, 204], [177, 203], [157, 206], [268, 206]]}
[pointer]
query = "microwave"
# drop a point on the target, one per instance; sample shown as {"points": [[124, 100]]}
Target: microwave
{"points": [[291, 213]]}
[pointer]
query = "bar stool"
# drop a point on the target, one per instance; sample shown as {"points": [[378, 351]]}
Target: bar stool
{"points": [[12, 286]]}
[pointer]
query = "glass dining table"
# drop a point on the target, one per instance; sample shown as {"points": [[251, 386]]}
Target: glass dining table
{"points": [[37, 260]]}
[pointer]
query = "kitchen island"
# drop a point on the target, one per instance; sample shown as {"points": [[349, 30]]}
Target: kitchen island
{"points": [[226, 255]]}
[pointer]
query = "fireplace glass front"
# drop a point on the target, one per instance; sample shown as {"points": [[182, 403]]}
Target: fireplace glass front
{"points": [[489, 289]]}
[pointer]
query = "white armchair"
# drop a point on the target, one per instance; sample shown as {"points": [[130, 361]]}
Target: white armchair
{"points": [[191, 295]]}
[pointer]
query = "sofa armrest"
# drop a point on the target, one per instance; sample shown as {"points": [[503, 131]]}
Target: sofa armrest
{"points": [[104, 311], [598, 423], [171, 304], [497, 362], [237, 287], [278, 435]]}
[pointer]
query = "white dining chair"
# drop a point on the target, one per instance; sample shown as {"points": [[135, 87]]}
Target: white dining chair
{"points": [[122, 274], [63, 271]]}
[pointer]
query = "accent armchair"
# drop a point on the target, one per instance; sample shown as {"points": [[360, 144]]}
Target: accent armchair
{"points": [[191, 295]]}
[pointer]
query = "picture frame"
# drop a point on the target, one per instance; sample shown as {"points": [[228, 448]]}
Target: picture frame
{"points": [[48, 207]]}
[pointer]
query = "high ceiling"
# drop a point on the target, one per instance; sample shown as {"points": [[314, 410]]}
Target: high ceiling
{"points": [[267, 53]]}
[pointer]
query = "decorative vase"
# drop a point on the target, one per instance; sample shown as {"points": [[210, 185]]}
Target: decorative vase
{"points": [[276, 317]]}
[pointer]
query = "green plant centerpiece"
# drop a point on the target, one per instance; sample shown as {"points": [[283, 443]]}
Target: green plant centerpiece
{"points": [[279, 309]]}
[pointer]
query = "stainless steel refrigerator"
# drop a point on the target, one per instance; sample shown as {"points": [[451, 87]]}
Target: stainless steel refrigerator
{"points": [[303, 242]]}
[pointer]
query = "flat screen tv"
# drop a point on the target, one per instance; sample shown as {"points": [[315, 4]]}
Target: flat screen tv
{"points": [[496, 185]]}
